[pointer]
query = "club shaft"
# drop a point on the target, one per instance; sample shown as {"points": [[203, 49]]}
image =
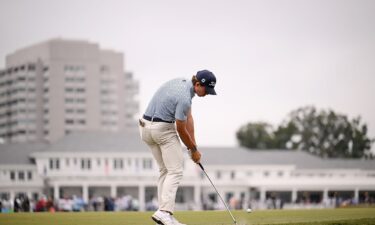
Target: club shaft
{"points": [[226, 206]]}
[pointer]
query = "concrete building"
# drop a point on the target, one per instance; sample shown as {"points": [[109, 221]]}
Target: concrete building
{"points": [[93, 164], [53, 88]]}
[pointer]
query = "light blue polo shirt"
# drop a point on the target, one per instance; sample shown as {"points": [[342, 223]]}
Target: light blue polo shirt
{"points": [[172, 101]]}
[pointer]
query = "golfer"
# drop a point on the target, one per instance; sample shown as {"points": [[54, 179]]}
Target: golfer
{"points": [[170, 105]]}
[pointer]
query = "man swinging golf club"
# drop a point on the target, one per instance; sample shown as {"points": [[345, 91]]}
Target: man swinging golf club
{"points": [[172, 104]]}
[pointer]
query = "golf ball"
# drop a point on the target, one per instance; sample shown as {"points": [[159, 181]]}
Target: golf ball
{"points": [[248, 210]]}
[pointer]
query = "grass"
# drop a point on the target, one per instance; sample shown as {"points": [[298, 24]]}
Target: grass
{"points": [[363, 216]]}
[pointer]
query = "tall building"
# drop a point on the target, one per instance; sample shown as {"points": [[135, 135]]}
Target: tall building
{"points": [[53, 88]]}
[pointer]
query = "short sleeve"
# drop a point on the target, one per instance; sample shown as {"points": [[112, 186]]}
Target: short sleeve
{"points": [[182, 110]]}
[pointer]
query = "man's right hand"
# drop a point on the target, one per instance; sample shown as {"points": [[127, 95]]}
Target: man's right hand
{"points": [[195, 156]]}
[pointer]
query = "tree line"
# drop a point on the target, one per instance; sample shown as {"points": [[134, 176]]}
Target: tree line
{"points": [[320, 132]]}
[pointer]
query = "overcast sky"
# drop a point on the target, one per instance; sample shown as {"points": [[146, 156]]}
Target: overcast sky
{"points": [[270, 56]]}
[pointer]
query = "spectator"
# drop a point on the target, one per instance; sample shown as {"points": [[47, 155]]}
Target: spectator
{"points": [[50, 204], [95, 204], [78, 204], [41, 205], [152, 205], [134, 205], [109, 204], [26, 204], [17, 204], [6, 206]]}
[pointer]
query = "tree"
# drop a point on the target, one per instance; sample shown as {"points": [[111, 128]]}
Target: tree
{"points": [[256, 135], [323, 133]]}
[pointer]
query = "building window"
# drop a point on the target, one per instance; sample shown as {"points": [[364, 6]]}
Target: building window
{"points": [[75, 79], [21, 175], [54, 164], [85, 164], [69, 100], [81, 121], [232, 175], [104, 69], [136, 164], [67, 162], [5, 196], [81, 111], [69, 90], [218, 175], [31, 67], [69, 121], [69, 79], [280, 173], [180, 196], [80, 90], [147, 164], [29, 175], [21, 78], [12, 175], [80, 100], [266, 173], [35, 196], [118, 164], [74, 68], [69, 111], [31, 100]]}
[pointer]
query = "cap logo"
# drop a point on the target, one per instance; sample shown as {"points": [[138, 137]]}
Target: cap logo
{"points": [[203, 80], [212, 83]]}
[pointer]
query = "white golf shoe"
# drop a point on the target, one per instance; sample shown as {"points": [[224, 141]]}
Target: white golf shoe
{"points": [[163, 218]]}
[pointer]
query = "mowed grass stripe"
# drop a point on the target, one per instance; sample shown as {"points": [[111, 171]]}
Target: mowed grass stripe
{"points": [[278, 216], [305, 217]]}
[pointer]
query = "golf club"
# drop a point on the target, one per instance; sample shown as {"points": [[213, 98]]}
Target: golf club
{"points": [[226, 206]]}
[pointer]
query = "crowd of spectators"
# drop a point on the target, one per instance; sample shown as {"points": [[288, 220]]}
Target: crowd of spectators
{"points": [[22, 203], [71, 204]]}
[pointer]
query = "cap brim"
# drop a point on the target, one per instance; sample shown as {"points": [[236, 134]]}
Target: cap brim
{"points": [[210, 91]]}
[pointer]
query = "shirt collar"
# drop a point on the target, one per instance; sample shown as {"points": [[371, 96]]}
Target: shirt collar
{"points": [[191, 87]]}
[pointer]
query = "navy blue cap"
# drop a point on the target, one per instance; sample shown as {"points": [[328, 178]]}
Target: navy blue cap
{"points": [[208, 79]]}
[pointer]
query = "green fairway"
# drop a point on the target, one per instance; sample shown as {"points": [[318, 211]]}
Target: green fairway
{"points": [[324, 216]]}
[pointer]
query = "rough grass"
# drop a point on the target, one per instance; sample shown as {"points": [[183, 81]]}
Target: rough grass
{"points": [[365, 216]]}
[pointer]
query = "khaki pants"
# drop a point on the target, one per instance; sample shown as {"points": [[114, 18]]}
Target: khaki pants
{"points": [[166, 148]]}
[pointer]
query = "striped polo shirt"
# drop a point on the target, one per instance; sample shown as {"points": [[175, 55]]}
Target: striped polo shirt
{"points": [[172, 101]]}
